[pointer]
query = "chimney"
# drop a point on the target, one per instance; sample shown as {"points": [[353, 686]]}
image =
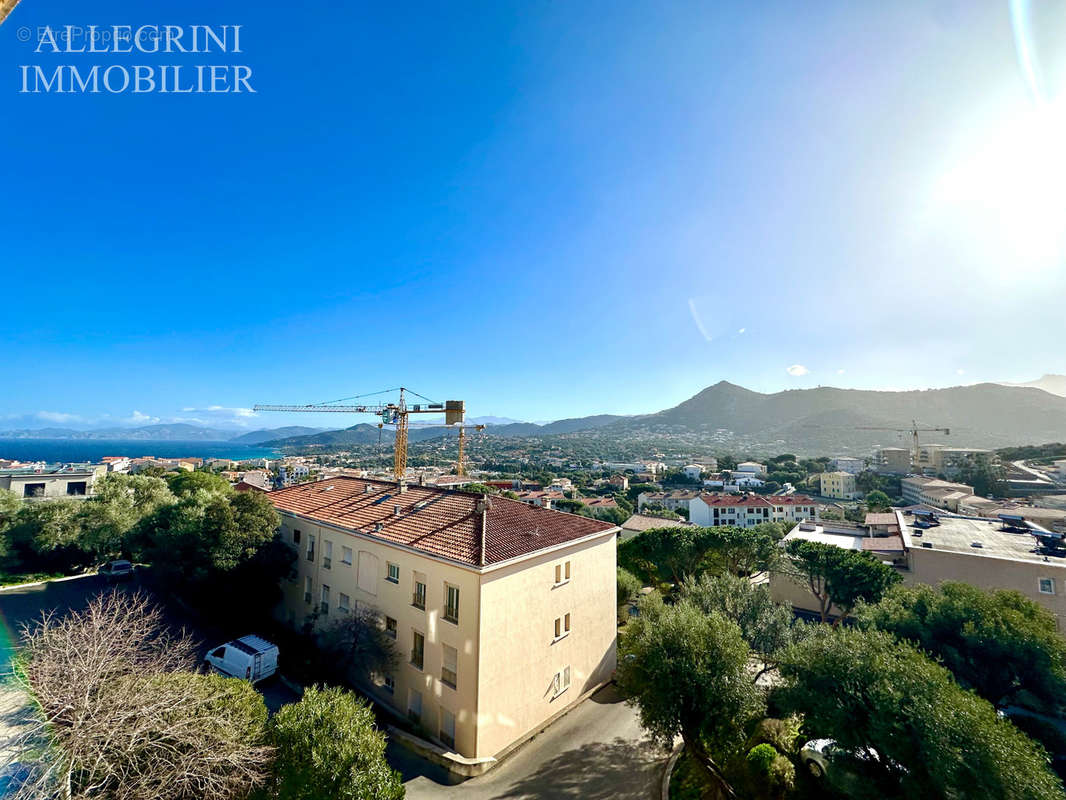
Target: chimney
{"points": [[482, 508], [421, 479], [396, 511], [367, 488], [401, 486]]}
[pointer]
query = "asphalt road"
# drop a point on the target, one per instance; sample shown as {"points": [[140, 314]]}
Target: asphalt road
{"points": [[596, 752]]}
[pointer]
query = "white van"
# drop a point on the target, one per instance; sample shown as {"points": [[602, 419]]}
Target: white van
{"points": [[249, 657]]}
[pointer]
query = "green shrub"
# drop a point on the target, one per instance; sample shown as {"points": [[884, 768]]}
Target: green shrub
{"points": [[760, 758]]}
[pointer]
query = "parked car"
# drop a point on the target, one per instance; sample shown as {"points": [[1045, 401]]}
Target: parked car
{"points": [[820, 755], [249, 657], [120, 570]]}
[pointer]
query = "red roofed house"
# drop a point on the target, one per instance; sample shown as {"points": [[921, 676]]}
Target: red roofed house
{"points": [[480, 594], [748, 510]]}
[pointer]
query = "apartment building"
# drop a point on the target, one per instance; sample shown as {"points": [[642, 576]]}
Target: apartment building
{"points": [[931, 548], [671, 501], [895, 460], [503, 613], [52, 482], [934, 492], [839, 485], [754, 467], [847, 464], [749, 510]]}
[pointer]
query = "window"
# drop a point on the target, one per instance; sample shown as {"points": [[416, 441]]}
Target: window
{"points": [[562, 626], [325, 599], [562, 573], [346, 556], [33, 490], [394, 573], [447, 727], [76, 488], [1047, 586], [327, 554], [449, 666], [343, 601], [418, 597], [390, 627], [414, 705], [295, 537], [310, 548], [307, 589], [451, 603], [389, 683], [418, 650], [367, 576], [560, 682]]}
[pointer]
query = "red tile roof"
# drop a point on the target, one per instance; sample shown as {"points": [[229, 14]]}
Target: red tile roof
{"points": [[755, 501], [438, 522]]}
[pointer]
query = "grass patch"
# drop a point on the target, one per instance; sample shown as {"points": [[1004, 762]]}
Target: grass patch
{"points": [[15, 578]]}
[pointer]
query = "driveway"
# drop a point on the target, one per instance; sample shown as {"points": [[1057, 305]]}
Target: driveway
{"points": [[596, 752]]}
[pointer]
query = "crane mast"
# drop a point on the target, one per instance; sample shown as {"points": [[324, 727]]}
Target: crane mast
{"points": [[395, 414], [914, 430]]}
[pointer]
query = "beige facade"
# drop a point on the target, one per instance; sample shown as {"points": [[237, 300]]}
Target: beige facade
{"points": [[948, 552], [51, 484], [519, 648], [839, 485], [894, 459]]}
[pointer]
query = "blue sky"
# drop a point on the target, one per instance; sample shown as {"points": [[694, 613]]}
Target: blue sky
{"points": [[547, 209]]}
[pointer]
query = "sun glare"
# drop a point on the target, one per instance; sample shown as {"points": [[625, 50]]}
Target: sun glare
{"points": [[1008, 191]]}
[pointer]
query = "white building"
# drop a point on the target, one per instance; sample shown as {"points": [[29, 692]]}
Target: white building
{"points": [[749, 510], [693, 471], [753, 467], [849, 464]]}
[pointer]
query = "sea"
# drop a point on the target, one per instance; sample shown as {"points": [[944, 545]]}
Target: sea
{"points": [[81, 450]]}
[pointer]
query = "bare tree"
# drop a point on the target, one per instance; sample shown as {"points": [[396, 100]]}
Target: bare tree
{"points": [[115, 711], [362, 644]]}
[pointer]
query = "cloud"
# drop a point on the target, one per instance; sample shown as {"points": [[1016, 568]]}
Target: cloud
{"points": [[742, 330], [137, 418], [215, 415], [840, 371], [797, 370], [697, 320], [960, 372], [56, 416]]}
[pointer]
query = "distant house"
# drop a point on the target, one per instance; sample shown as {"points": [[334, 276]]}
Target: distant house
{"points": [[620, 482], [839, 485], [638, 523], [255, 481], [754, 467], [51, 482], [749, 510], [541, 498], [671, 501], [693, 471], [847, 464]]}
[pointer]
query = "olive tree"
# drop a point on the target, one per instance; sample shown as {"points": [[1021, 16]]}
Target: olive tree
{"points": [[865, 689], [327, 746], [999, 643], [687, 674]]}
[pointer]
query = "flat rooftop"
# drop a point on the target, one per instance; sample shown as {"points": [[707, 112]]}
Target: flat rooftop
{"points": [[958, 535]]}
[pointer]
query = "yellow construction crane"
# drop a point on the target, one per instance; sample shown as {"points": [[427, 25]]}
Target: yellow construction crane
{"points": [[395, 414], [914, 430]]}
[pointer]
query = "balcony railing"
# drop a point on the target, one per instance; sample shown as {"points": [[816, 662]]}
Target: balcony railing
{"points": [[327, 562], [418, 600], [451, 614], [448, 677], [416, 658]]}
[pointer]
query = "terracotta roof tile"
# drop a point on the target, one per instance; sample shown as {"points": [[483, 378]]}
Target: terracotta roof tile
{"points": [[438, 522]]}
